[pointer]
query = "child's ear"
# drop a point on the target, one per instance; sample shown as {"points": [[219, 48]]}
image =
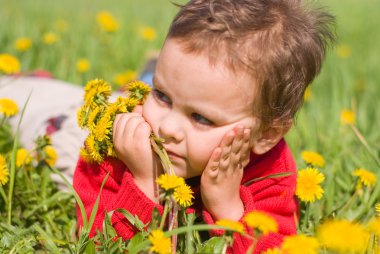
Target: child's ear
{"points": [[269, 137]]}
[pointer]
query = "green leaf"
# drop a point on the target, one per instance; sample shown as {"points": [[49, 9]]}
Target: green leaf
{"points": [[134, 220], [49, 240], [278, 175], [6, 138], [137, 239], [213, 245], [90, 248], [96, 205]]}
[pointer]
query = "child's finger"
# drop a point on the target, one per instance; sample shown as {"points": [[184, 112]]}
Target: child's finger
{"points": [[246, 147], [142, 130], [131, 127], [116, 124], [225, 144], [213, 163], [118, 127], [238, 140]]}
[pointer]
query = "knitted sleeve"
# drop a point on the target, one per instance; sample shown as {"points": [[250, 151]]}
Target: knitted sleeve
{"points": [[119, 191], [274, 196]]}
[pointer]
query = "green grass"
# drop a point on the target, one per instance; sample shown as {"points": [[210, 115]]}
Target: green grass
{"points": [[108, 53]]}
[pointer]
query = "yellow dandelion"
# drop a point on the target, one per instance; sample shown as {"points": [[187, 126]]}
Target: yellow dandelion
{"points": [[45, 140], [347, 117], [261, 221], [313, 159], [9, 64], [367, 178], [300, 244], [107, 22], [308, 94], [23, 44], [93, 149], [308, 185], [83, 65], [51, 155], [23, 157], [138, 89], [100, 86], [103, 128], [97, 92], [61, 25], [183, 195], [82, 116], [147, 33], [169, 182], [85, 155], [343, 236], [4, 172], [343, 51], [8, 107], [377, 209], [160, 243], [125, 77], [110, 149], [94, 99], [50, 38], [273, 251], [374, 226], [233, 225], [93, 118], [111, 110], [125, 104]]}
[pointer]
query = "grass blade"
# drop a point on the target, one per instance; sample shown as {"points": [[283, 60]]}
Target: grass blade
{"points": [[13, 162]]}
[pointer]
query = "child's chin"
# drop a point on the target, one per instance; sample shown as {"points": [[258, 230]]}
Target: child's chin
{"points": [[181, 172]]}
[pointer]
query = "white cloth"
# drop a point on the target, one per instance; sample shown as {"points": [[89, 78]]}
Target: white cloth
{"points": [[48, 98]]}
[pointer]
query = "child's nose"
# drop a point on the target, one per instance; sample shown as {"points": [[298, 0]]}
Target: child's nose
{"points": [[171, 128]]}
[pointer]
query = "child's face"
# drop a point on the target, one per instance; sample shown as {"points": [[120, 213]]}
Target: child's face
{"points": [[192, 106]]}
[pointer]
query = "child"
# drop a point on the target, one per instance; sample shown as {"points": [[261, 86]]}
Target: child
{"points": [[230, 77]]}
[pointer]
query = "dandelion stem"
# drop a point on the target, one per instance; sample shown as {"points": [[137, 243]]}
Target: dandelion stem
{"points": [[224, 251], [163, 218], [3, 194], [160, 151], [307, 215], [364, 142], [2, 121], [349, 202], [189, 235], [174, 223]]}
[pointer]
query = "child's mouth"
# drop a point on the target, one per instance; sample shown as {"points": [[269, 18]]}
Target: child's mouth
{"points": [[173, 155]]}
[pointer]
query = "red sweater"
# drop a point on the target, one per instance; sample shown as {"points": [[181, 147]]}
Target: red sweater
{"points": [[274, 196]]}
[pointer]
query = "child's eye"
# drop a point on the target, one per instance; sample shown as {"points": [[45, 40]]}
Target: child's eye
{"points": [[201, 120], [161, 97]]}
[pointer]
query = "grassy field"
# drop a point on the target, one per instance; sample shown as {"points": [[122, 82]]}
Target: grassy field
{"points": [[349, 81]]}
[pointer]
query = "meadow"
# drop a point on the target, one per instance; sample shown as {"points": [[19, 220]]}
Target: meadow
{"points": [[77, 41]]}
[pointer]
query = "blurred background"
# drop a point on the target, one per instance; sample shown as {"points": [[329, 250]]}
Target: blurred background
{"points": [[80, 40]]}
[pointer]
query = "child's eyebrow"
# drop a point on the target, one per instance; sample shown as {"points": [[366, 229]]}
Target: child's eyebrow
{"points": [[155, 81]]}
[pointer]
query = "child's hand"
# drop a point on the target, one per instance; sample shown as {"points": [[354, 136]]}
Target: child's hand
{"points": [[220, 181], [131, 139]]}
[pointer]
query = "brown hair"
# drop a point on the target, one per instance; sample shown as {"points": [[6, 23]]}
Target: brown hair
{"points": [[281, 43]]}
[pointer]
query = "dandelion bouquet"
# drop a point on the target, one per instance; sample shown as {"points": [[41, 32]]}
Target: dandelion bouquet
{"points": [[97, 116]]}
